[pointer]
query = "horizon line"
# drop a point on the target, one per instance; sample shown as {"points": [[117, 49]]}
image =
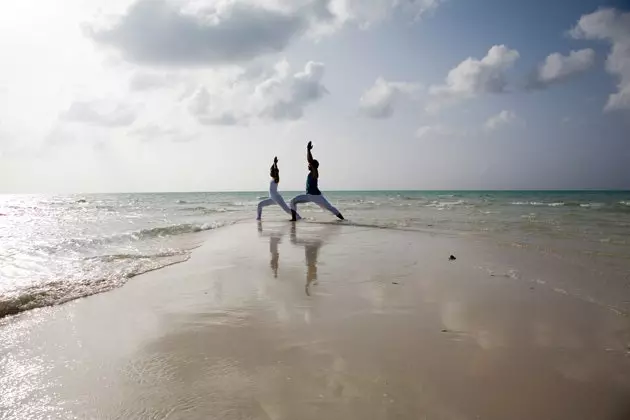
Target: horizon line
{"points": [[333, 191]]}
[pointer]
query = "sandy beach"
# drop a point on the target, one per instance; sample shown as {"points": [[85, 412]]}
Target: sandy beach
{"points": [[327, 321]]}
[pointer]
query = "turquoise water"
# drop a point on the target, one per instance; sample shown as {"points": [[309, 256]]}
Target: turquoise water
{"points": [[55, 248]]}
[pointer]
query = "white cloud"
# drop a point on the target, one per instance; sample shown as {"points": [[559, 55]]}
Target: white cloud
{"points": [[154, 132], [613, 26], [143, 81], [473, 77], [279, 96], [422, 7], [160, 32], [495, 122], [435, 131], [500, 120], [100, 113], [380, 100], [558, 68], [204, 32], [366, 13]]}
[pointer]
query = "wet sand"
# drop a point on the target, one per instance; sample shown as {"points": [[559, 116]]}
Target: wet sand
{"points": [[323, 321]]}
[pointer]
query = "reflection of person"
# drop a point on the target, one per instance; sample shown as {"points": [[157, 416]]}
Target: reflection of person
{"points": [[313, 194], [274, 240], [311, 250], [274, 195]]}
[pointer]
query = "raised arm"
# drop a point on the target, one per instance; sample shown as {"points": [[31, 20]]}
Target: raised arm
{"points": [[312, 163], [275, 171], [309, 156]]}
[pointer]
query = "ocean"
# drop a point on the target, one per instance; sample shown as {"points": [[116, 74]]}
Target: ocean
{"points": [[56, 248]]}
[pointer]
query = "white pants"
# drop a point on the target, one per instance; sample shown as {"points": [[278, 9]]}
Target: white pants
{"points": [[320, 200], [275, 198]]}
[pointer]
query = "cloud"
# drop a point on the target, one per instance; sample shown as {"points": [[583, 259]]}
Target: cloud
{"points": [[421, 8], [204, 32], [366, 13], [159, 32], [201, 107], [99, 113], [495, 122], [500, 120], [558, 68], [436, 131], [153, 132], [613, 26], [277, 96], [144, 81], [380, 100], [286, 97], [473, 77]]}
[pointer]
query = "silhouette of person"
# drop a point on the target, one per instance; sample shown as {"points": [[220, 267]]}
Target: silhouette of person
{"points": [[313, 194], [274, 196]]}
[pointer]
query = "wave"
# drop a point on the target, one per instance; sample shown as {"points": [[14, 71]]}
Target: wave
{"points": [[117, 257], [143, 234], [443, 204], [96, 274], [173, 230], [364, 204], [205, 210], [537, 203], [62, 291], [619, 206], [243, 203]]}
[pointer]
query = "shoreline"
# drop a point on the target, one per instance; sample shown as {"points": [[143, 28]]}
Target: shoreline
{"points": [[282, 321]]}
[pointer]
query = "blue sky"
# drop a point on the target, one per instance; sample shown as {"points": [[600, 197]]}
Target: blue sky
{"points": [[180, 95]]}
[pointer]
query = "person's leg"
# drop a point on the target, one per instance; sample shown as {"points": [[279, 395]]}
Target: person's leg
{"points": [[280, 201], [262, 204], [304, 198], [321, 201]]}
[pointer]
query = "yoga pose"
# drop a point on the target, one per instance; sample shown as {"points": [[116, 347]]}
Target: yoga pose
{"points": [[274, 195], [313, 194]]}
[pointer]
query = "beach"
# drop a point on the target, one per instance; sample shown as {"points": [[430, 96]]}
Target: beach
{"points": [[330, 321]]}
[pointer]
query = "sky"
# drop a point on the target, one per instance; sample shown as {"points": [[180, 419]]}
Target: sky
{"points": [[200, 95]]}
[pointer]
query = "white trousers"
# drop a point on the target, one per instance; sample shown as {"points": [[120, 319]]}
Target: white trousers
{"points": [[320, 200], [275, 198]]}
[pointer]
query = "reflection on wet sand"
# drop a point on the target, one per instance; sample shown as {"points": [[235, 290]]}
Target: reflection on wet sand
{"points": [[447, 342], [311, 251], [275, 238]]}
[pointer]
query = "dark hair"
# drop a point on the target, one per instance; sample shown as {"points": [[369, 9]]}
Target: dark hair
{"points": [[315, 163]]}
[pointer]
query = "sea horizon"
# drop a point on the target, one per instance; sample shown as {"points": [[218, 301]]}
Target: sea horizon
{"points": [[568, 190]]}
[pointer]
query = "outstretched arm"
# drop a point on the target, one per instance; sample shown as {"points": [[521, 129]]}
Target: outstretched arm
{"points": [[309, 157]]}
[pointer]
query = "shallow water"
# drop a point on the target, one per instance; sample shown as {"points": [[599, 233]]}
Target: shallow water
{"points": [[58, 248]]}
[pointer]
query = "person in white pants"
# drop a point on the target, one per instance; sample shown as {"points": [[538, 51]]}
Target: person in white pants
{"points": [[313, 194], [274, 195]]}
